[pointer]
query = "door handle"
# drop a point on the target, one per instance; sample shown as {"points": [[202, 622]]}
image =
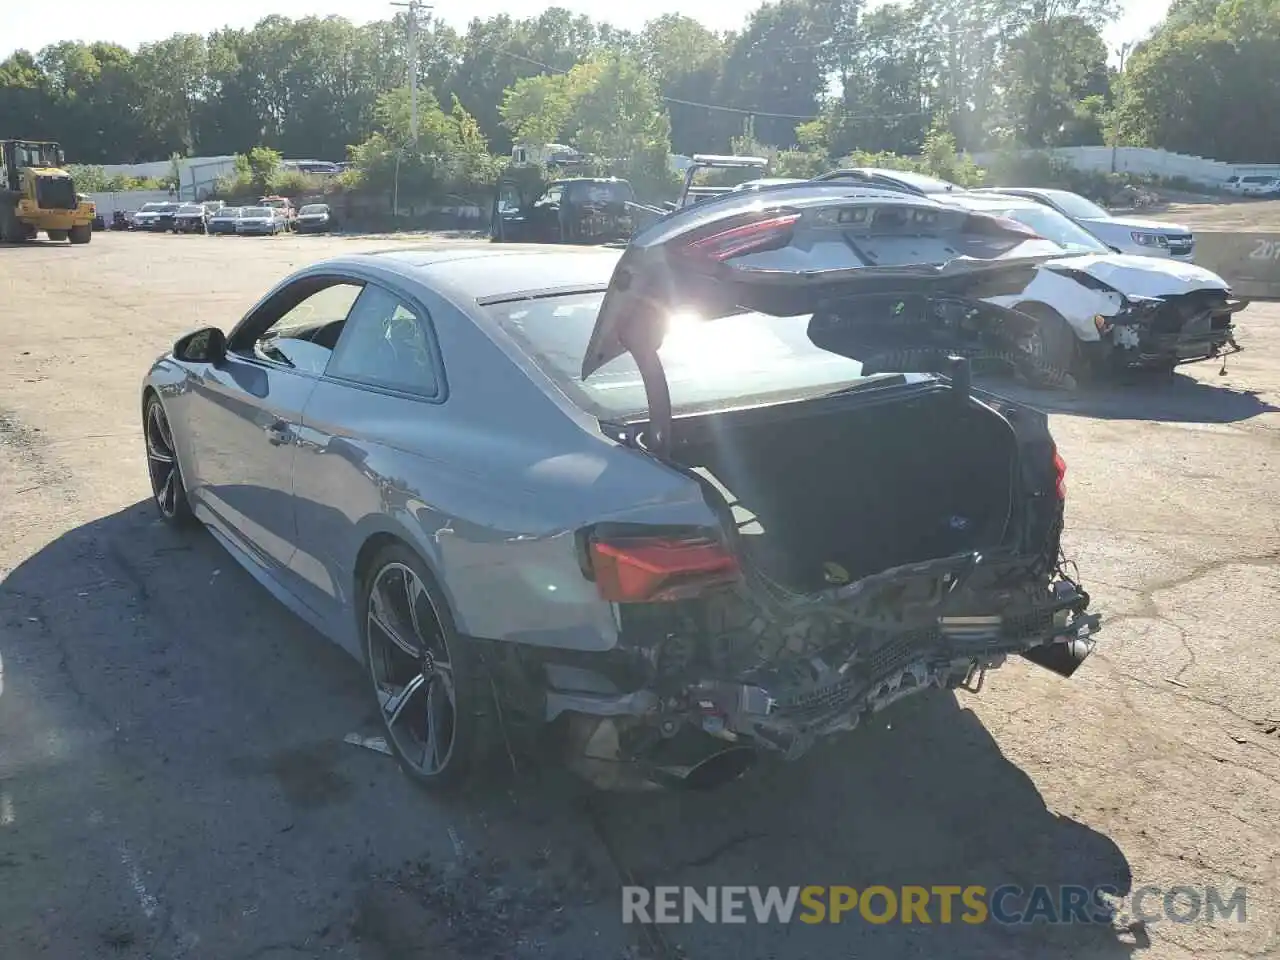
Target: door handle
{"points": [[279, 433]]}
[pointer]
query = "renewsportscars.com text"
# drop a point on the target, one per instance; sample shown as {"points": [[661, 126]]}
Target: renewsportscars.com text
{"points": [[938, 904]]}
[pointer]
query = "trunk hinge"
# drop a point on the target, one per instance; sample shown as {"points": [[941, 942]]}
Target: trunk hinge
{"points": [[644, 350]]}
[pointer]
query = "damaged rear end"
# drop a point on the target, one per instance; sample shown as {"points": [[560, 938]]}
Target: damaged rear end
{"points": [[871, 543]]}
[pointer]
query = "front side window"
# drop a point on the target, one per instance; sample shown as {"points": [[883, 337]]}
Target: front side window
{"points": [[385, 344], [304, 337]]}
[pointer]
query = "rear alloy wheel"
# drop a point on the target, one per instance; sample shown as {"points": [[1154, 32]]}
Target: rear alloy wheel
{"points": [[434, 705], [167, 488]]}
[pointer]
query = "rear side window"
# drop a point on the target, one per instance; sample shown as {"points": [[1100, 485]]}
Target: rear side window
{"points": [[386, 344]]}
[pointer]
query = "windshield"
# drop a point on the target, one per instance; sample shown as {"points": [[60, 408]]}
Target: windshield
{"points": [[257, 212], [1074, 205], [710, 363], [153, 207], [314, 208], [1052, 225], [191, 210]]}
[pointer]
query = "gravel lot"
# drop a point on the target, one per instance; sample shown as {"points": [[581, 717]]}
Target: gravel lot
{"points": [[173, 781]]}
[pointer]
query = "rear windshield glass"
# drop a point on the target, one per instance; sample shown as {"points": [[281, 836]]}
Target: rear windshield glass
{"points": [[711, 363]]}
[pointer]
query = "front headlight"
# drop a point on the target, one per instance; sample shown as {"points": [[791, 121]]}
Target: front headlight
{"points": [[1149, 239]]}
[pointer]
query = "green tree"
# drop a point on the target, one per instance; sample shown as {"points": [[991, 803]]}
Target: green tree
{"points": [[686, 62], [1196, 86]]}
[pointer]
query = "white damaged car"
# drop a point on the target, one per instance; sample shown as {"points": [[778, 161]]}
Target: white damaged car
{"points": [[1104, 311]]}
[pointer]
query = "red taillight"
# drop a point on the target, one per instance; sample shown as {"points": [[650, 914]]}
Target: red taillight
{"points": [[1060, 470], [751, 236], [650, 569]]}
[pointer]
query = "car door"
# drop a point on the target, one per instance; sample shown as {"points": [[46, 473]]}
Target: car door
{"points": [[508, 215], [544, 216], [245, 412], [385, 378]]}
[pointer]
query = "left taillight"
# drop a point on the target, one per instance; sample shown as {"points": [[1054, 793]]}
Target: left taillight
{"points": [[1060, 475], [656, 569], [766, 234]]}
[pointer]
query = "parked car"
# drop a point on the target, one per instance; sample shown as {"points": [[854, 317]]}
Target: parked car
{"points": [[315, 218], [570, 210], [1137, 235], [156, 217], [751, 545], [262, 221], [1101, 310], [190, 218], [285, 206], [120, 220], [1257, 185], [224, 221]]}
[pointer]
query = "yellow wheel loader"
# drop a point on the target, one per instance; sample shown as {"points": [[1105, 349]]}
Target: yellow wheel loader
{"points": [[38, 195]]}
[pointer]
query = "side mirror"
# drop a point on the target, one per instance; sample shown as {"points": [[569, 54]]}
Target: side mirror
{"points": [[208, 345]]}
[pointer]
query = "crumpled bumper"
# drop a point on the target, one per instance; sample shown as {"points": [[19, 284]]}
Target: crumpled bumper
{"points": [[1173, 330], [962, 618]]}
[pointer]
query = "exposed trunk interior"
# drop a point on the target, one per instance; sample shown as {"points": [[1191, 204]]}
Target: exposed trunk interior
{"points": [[827, 497]]}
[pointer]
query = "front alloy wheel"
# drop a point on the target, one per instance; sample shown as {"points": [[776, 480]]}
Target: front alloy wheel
{"points": [[167, 488], [432, 705]]}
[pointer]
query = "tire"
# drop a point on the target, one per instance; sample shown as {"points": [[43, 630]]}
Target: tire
{"points": [[58, 236], [429, 680], [81, 234], [1056, 345], [168, 491]]}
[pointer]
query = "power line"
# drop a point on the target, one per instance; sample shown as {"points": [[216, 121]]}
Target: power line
{"points": [[739, 111]]}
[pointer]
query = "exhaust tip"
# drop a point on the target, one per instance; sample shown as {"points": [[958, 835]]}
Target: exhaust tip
{"points": [[715, 771]]}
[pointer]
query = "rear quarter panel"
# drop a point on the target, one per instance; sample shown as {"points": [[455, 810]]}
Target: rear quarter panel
{"points": [[489, 485]]}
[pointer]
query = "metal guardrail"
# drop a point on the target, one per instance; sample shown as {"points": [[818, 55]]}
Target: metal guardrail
{"points": [[1250, 262]]}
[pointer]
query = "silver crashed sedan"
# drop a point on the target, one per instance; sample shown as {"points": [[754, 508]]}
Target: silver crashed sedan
{"points": [[649, 496]]}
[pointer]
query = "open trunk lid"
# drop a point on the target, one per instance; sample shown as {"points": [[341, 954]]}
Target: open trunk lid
{"points": [[890, 258]]}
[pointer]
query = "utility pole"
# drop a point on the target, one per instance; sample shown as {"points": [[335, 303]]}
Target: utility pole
{"points": [[414, 7], [1123, 52]]}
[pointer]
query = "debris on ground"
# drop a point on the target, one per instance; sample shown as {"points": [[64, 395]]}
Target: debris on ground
{"points": [[377, 744]]}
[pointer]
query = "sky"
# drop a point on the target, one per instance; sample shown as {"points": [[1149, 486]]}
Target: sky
{"points": [[25, 24]]}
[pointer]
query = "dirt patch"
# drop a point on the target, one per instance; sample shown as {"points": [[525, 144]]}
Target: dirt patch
{"points": [[1262, 216]]}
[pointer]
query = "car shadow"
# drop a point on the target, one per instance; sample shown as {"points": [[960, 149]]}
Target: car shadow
{"points": [[1160, 398], [923, 797]]}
